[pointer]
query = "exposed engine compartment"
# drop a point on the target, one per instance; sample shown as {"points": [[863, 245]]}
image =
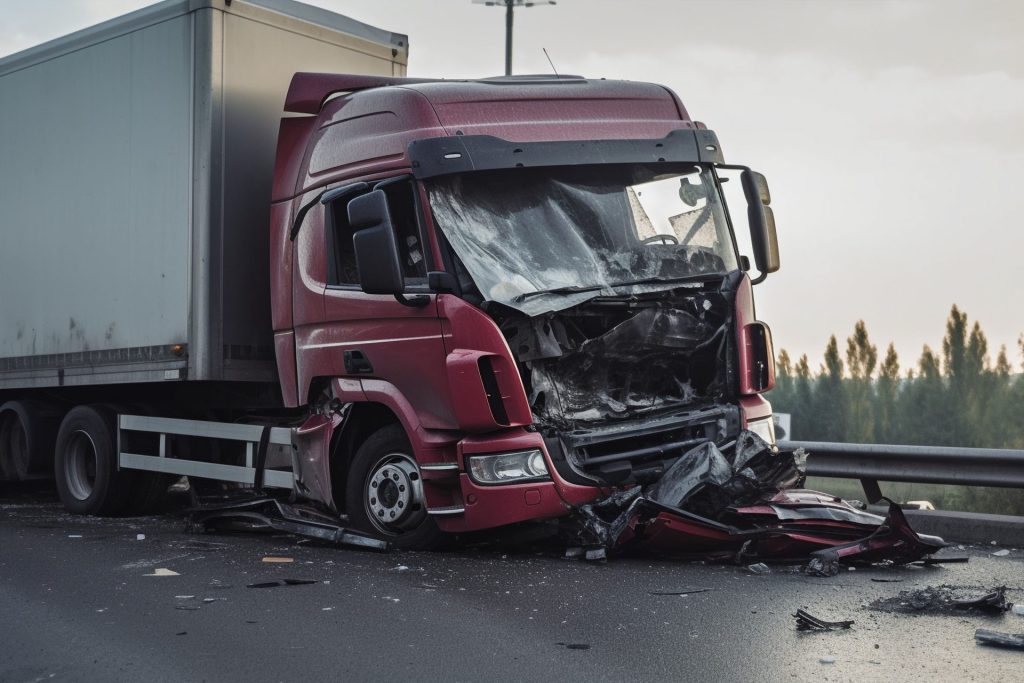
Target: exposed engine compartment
{"points": [[621, 386]]}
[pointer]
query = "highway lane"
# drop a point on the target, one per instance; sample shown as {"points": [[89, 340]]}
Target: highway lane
{"points": [[76, 604]]}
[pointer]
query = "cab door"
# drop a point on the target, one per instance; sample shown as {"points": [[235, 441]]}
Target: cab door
{"points": [[395, 348]]}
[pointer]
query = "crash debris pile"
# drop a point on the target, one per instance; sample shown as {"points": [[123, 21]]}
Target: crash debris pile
{"points": [[946, 600], [743, 503]]}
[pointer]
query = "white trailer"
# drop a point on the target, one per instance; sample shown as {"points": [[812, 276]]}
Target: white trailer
{"points": [[136, 165], [135, 183]]}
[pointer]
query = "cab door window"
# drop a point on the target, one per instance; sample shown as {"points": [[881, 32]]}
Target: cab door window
{"points": [[341, 255]]}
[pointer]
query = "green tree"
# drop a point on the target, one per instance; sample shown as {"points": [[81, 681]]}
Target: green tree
{"points": [[828, 411], [861, 360], [887, 389], [803, 398]]}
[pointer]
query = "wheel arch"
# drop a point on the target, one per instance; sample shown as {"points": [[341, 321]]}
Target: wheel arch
{"points": [[362, 420]]}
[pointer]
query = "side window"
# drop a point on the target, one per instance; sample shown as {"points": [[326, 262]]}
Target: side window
{"points": [[402, 201], [341, 257]]}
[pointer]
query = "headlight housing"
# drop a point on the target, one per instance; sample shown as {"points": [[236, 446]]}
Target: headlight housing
{"points": [[507, 468], [764, 428]]}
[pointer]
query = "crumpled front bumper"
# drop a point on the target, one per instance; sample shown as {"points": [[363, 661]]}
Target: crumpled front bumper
{"points": [[745, 504]]}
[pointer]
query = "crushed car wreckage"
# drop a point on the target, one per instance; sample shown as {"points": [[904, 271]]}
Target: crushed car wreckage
{"points": [[743, 503]]}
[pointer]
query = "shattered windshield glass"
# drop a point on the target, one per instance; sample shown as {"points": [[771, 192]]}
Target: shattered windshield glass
{"points": [[546, 239]]}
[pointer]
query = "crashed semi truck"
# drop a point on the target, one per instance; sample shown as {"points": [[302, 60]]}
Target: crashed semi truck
{"points": [[240, 246]]}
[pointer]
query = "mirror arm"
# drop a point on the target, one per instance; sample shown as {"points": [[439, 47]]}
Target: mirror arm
{"points": [[759, 279], [417, 301]]}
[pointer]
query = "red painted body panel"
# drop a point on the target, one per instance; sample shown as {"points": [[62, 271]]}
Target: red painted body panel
{"points": [[491, 506], [284, 350], [402, 343], [753, 405], [467, 331]]}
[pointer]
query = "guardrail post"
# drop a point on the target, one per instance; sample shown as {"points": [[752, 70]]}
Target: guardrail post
{"points": [[872, 490]]}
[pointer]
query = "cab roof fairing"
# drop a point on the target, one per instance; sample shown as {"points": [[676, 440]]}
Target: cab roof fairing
{"points": [[363, 125]]}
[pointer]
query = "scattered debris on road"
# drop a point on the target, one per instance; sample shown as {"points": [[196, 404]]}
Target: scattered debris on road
{"points": [[262, 513], [1001, 553], [808, 622], [759, 568], [999, 639], [278, 560], [281, 582], [946, 600], [682, 591], [163, 571], [574, 646]]}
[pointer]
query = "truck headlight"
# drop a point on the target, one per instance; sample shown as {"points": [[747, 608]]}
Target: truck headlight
{"points": [[507, 468], [764, 428]]}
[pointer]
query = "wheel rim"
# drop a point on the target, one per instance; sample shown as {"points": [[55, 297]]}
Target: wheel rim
{"points": [[80, 465], [393, 494]]}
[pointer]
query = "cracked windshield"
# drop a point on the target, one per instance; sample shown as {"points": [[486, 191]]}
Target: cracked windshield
{"points": [[550, 239]]}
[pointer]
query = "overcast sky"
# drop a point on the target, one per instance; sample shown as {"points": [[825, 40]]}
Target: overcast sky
{"points": [[891, 132]]}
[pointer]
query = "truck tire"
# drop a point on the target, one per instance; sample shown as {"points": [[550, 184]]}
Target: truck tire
{"points": [[85, 463], [384, 492], [27, 433], [147, 491]]}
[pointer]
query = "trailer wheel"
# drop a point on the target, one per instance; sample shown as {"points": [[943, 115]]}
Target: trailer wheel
{"points": [[27, 430], [147, 491], [13, 448], [85, 463], [384, 492]]}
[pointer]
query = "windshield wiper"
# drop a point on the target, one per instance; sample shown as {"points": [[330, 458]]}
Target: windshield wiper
{"points": [[574, 289], [571, 289], [660, 280]]}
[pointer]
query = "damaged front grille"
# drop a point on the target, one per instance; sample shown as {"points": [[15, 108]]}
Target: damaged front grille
{"points": [[639, 451]]}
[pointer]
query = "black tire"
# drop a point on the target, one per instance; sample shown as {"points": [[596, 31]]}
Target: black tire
{"points": [[13, 455], [401, 516], [27, 434], [85, 463], [147, 491]]}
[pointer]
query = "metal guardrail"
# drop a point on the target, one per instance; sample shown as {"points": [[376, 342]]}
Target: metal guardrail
{"points": [[872, 463]]}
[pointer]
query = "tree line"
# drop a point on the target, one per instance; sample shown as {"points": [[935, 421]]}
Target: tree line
{"points": [[956, 396]]}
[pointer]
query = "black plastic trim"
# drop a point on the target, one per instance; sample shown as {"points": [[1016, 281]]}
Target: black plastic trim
{"points": [[431, 157]]}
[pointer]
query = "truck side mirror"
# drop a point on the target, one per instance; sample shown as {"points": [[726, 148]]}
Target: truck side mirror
{"points": [[380, 270], [763, 239]]}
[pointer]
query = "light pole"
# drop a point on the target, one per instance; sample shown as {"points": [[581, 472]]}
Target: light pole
{"points": [[510, 6]]}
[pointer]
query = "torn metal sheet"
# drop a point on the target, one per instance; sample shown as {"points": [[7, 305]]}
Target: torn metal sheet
{"points": [[808, 622], [597, 366], [739, 503], [265, 512], [312, 456]]}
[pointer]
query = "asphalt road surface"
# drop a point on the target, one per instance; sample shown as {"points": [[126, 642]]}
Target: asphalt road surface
{"points": [[79, 602]]}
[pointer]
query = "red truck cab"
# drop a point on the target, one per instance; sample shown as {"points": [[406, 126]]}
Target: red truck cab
{"points": [[504, 298]]}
